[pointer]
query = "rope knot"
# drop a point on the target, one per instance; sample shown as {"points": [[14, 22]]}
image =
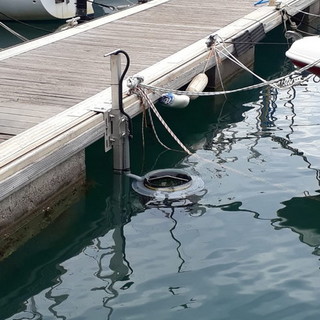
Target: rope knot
{"points": [[211, 40]]}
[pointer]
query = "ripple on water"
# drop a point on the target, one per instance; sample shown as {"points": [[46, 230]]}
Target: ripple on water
{"points": [[248, 253]]}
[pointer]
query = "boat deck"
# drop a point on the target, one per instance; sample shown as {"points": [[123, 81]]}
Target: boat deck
{"points": [[44, 77]]}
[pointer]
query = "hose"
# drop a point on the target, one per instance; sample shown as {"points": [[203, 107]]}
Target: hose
{"points": [[120, 90]]}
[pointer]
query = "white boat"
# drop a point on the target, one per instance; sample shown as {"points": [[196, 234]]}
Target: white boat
{"points": [[306, 51], [40, 9]]}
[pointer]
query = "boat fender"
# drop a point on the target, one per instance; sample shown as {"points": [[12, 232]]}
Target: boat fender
{"points": [[174, 100], [198, 84]]}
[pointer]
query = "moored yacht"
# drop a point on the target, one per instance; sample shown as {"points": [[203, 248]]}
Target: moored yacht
{"points": [[306, 51], [43, 9]]}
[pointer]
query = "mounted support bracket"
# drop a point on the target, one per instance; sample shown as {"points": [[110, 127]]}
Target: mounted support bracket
{"points": [[106, 111], [117, 121]]}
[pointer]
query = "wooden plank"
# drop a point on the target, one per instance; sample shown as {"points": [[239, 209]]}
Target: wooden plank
{"points": [[43, 111], [12, 117], [11, 131], [4, 137]]}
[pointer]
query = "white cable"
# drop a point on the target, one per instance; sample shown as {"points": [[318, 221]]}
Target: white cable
{"points": [[217, 93], [231, 57], [294, 78], [304, 12], [13, 32], [218, 68], [140, 92]]}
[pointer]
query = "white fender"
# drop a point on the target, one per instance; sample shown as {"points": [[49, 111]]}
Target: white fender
{"points": [[198, 84], [174, 100]]}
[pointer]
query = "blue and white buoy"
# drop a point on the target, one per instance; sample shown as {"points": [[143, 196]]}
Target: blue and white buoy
{"points": [[174, 100]]}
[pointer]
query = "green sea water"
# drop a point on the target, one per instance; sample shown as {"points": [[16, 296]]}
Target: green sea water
{"points": [[247, 249]]}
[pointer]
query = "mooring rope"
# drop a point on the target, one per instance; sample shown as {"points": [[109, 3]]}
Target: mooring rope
{"points": [[141, 93], [143, 96], [156, 134], [218, 62], [297, 28], [18, 35], [301, 11], [294, 25], [294, 78], [232, 58], [24, 23], [283, 82], [208, 59]]}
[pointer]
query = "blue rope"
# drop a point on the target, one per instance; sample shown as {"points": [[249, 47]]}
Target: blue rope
{"points": [[261, 2]]}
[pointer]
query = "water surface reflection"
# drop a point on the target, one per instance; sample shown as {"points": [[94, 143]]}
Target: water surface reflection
{"points": [[230, 255]]}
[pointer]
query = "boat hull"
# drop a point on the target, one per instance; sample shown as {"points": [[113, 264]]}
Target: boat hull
{"points": [[315, 70], [306, 51], [39, 9]]}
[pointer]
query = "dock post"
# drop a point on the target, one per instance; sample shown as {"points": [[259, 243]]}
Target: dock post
{"points": [[119, 120]]}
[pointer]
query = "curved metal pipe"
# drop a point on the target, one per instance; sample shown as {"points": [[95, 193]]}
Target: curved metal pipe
{"points": [[120, 89]]}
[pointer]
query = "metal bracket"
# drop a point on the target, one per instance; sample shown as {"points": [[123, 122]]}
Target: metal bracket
{"points": [[107, 117], [116, 126], [108, 131], [106, 107], [117, 120]]}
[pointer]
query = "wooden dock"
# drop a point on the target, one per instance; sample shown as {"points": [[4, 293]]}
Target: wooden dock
{"points": [[42, 82], [50, 86]]}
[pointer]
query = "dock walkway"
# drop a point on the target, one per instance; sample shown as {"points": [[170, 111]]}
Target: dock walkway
{"points": [[42, 82]]}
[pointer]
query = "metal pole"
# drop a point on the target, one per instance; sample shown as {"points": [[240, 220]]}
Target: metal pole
{"points": [[82, 8], [119, 130]]}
